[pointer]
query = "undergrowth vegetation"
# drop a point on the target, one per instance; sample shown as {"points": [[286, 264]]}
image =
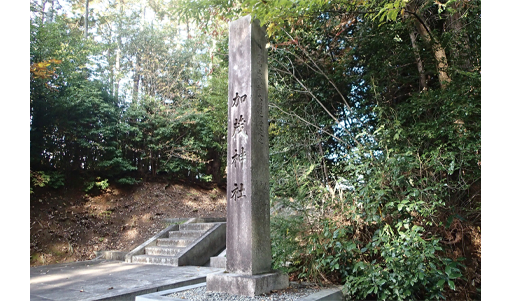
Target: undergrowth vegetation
{"points": [[386, 222], [379, 188]]}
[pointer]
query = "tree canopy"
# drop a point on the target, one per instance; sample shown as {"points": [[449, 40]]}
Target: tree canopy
{"points": [[122, 102]]}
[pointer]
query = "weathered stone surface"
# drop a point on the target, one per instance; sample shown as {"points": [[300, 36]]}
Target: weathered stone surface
{"points": [[108, 280], [248, 256], [199, 252], [217, 262], [187, 244], [246, 285], [248, 205]]}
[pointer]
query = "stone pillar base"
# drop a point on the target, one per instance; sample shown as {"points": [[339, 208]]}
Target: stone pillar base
{"points": [[246, 285]]}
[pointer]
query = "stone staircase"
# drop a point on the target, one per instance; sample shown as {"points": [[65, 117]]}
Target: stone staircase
{"points": [[184, 244]]}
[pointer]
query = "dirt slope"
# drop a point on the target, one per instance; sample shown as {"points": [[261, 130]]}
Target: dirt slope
{"points": [[68, 226]]}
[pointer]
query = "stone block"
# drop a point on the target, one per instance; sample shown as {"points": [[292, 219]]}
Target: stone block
{"points": [[199, 252], [248, 193], [246, 285], [115, 255], [217, 262]]}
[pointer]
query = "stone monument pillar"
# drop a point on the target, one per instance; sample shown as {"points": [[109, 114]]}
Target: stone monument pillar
{"points": [[248, 255]]}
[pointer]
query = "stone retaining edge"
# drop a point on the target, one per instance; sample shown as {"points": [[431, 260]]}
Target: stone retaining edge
{"points": [[210, 243], [332, 294], [136, 295]]}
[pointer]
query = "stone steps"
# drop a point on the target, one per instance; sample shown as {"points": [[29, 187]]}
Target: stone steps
{"points": [[167, 251], [156, 259], [174, 242], [186, 234], [195, 227]]}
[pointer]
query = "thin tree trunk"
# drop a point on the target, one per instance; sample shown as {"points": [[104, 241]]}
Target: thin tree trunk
{"points": [[117, 77], [136, 81], [213, 47], [143, 15], [136, 78], [152, 163], [187, 30], [422, 76], [117, 69], [461, 51], [111, 69], [52, 12], [118, 53], [43, 5], [323, 163], [86, 18]]}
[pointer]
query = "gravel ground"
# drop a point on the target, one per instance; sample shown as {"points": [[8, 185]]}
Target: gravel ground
{"points": [[294, 292]]}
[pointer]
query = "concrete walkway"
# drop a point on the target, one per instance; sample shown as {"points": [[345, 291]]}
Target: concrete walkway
{"points": [[109, 280]]}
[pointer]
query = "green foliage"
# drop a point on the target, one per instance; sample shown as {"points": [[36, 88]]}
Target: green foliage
{"points": [[81, 123], [284, 231], [365, 200], [39, 179], [128, 181], [409, 268], [53, 179], [97, 183]]}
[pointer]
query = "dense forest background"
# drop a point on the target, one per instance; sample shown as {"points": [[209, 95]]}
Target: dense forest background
{"points": [[375, 124]]}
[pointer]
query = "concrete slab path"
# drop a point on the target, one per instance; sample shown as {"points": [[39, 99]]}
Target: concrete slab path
{"points": [[109, 280]]}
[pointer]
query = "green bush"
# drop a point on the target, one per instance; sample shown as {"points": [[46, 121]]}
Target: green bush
{"points": [[97, 183], [407, 267], [284, 231], [377, 228], [128, 181], [47, 178]]}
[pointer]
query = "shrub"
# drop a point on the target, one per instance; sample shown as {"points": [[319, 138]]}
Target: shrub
{"points": [[98, 183], [47, 178]]}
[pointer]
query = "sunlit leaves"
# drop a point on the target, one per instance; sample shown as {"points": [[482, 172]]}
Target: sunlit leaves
{"points": [[45, 69], [390, 11]]}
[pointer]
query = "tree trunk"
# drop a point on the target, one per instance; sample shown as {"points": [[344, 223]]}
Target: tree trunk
{"points": [[118, 53], [86, 18], [423, 84], [117, 77], [461, 49], [136, 79], [52, 12], [214, 166], [323, 163], [111, 74], [43, 5], [154, 162], [187, 29], [438, 51]]}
